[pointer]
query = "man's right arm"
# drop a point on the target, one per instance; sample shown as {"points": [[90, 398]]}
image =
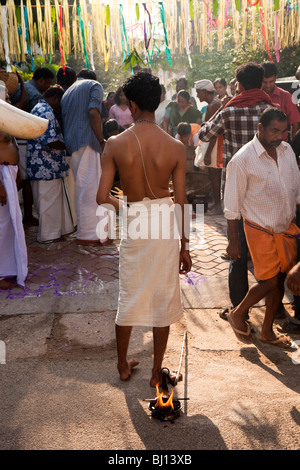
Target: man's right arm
{"points": [[235, 188], [96, 124], [178, 178], [212, 129]]}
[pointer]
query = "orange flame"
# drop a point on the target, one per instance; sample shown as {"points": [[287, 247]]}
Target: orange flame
{"points": [[160, 402]]}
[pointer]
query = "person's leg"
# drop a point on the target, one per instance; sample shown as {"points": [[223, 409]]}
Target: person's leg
{"points": [[238, 272], [215, 177], [256, 292], [160, 340], [124, 366], [273, 300], [293, 325], [28, 203]]}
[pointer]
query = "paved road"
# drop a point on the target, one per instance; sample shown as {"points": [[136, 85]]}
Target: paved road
{"points": [[59, 386]]}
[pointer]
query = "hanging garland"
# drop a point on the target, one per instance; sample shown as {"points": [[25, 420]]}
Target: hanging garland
{"points": [[134, 28]]}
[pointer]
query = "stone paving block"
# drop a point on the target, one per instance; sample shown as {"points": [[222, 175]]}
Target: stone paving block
{"points": [[26, 337]]}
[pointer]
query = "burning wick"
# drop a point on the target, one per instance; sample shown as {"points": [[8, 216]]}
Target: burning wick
{"points": [[160, 400]]}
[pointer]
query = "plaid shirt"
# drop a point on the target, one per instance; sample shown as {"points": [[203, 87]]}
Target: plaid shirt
{"points": [[238, 125]]}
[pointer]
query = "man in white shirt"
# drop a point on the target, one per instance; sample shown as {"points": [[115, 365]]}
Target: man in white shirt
{"points": [[263, 187]]}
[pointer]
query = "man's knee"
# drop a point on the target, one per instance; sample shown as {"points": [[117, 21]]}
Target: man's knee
{"points": [[275, 283]]}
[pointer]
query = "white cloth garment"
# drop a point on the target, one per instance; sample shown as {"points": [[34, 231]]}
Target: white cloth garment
{"points": [[149, 288], [51, 201], [13, 258], [86, 168], [253, 178]]}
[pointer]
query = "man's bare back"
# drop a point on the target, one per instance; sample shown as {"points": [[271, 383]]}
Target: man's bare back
{"points": [[161, 155]]}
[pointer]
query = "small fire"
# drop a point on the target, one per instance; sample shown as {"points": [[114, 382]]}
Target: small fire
{"points": [[160, 402]]}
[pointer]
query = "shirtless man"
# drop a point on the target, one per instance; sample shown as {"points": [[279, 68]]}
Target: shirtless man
{"points": [[163, 158]]}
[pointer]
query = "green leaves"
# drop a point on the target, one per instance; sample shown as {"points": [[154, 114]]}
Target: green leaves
{"points": [[132, 59]]}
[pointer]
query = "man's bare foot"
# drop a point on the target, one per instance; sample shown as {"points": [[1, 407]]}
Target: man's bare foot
{"points": [[282, 341], [5, 284], [156, 378], [125, 372]]}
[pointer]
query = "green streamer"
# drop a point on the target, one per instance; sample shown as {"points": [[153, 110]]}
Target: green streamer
{"points": [[83, 37], [191, 9], [162, 14], [107, 11], [215, 7], [238, 5], [137, 11]]}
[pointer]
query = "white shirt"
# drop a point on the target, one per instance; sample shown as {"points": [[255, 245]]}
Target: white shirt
{"points": [[261, 190]]}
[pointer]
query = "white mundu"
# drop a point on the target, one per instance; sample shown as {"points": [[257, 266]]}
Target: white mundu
{"points": [[13, 259], [149, 288]]}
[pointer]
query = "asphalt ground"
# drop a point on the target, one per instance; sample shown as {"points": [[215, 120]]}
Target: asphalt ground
{"points": [[60, 389]]}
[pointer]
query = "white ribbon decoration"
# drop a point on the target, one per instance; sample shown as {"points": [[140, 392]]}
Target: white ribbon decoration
{"points": [[6, 48]]}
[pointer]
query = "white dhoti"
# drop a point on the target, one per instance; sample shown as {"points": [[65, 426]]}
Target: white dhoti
{"points": [[52, 203], [13, 258], [149, 288], [86, 168]]}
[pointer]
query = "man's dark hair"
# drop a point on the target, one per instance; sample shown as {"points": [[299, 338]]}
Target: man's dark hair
{"points": [[272, 114], [143, 89], [66, 76], [184, 128], [55, 90], [42, 72], [250, 75], [87, 74], [270, 69], [183, 80], [110, 126]]}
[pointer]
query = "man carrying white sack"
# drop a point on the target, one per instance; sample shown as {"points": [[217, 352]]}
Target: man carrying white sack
{"points": [[13, 259], [151, 254]]}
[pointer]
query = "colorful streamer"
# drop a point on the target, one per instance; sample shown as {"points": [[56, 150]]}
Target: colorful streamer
{"points": [[162, 14], [169, 25], [81, 25]]}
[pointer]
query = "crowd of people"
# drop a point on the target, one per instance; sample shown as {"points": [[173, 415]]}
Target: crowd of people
{"points": [[251, 127]]}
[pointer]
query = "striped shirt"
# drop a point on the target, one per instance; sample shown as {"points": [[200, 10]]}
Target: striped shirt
{"points": [[76, 102], [238, 125], [261, 190]]}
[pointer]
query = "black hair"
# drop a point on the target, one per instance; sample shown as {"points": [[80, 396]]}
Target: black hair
{"points": [[111, 125], [185, 94], [54, 90], [250, 75], [220, 80], [42, 72], [143, 89], [270, 69], [182, 79], [117, 95], [184, 128], [65, 76], [272, 114], [87, 74]]}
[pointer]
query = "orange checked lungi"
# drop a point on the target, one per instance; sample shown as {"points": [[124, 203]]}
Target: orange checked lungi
{"points": [[271, 252]]}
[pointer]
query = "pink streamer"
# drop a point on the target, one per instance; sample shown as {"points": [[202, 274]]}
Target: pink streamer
{"points": [[276, 39], [211, 21]]}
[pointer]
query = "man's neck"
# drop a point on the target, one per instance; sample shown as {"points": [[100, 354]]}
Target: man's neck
{"points": [[144, 116]]}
